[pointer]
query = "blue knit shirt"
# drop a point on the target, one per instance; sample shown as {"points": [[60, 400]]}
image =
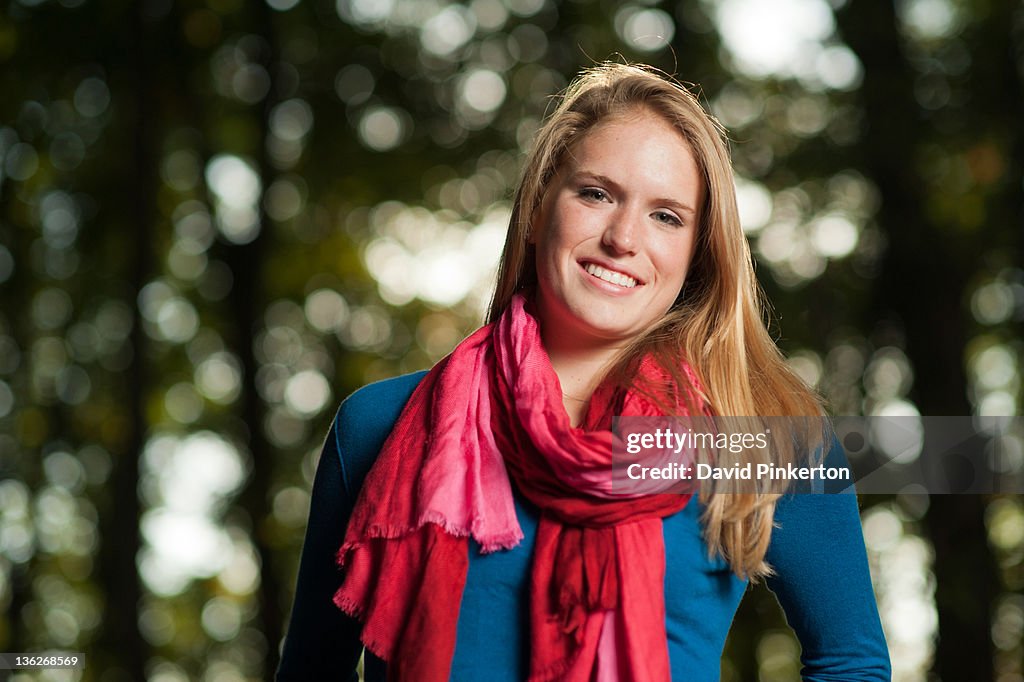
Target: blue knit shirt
{"points": [[821, 578]]}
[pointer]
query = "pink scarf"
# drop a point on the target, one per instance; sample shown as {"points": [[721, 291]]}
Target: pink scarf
{"points": [[490, 409]]}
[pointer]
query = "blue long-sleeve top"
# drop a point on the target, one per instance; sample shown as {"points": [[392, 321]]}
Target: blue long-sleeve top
{"points": [[817, 550]]}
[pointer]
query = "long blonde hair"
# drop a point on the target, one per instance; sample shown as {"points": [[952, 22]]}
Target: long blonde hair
{"points": [[717, 323]]}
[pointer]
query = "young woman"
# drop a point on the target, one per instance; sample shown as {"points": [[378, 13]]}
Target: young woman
{"points": [[484, 544]]}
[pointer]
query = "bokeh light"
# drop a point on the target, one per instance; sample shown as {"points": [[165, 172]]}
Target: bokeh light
{"points": [[644, 29], [904, 586], [787, 38], [237, 188], [419, 254], [189, 479], [383, 128]]}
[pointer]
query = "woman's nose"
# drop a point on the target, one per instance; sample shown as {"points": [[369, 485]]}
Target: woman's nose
{"points": [[620, 235]]}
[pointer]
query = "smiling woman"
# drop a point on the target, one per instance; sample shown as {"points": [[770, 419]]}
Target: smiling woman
{"points": [[469, 508]]}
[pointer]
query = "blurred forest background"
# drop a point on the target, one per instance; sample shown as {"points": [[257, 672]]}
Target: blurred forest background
{"points": [[220, 217]]}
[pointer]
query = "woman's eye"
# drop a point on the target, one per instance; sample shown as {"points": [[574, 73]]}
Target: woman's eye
{"points": [[593, 194], [667, 218]]}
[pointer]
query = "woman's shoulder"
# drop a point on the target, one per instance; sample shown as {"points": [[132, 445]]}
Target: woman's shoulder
{"points": [[364, 421], [378, 403]]}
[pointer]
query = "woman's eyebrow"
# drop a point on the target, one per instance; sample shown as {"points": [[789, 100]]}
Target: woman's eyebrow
{"points": [[677, 205], [596, 177], [608, 182]]}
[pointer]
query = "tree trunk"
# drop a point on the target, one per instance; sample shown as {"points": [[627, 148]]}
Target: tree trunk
{"points": [[920, 292], [123, 650], [248, 300]]}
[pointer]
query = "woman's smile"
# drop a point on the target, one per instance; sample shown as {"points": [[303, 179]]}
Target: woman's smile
{"points": [[611, 275]]}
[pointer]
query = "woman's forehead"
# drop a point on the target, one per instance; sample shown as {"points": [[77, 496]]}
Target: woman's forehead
{"points": [[614, 139], [639, 115]]}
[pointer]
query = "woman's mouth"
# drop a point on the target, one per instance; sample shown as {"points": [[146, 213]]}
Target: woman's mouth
{"points": [[610, 276]]}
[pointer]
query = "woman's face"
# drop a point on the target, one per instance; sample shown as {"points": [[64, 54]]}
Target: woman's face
{"points": [[615, 232]]}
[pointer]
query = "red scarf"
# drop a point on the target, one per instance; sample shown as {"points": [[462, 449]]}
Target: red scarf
{"points": [[491, 409]]}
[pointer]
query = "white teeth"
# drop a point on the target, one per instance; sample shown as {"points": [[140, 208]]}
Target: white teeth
{"points": [[610, 276]]}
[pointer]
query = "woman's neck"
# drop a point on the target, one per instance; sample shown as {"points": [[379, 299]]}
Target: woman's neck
{"points": [[580, 370]]}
